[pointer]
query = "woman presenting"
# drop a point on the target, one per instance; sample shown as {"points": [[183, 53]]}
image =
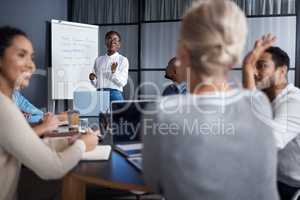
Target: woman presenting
{"points": [[111, 70]]}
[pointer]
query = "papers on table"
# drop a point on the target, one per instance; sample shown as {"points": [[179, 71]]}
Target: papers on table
{"points": [[59, 144], [101, 152]]}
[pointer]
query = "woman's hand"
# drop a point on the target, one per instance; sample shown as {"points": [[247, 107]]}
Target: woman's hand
{"points": [[114, 67], [50, 122], [92, 76], [90, 139]]}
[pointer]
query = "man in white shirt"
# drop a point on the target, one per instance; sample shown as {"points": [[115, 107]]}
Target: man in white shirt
{"points": [[111, 69], [265, 68]]}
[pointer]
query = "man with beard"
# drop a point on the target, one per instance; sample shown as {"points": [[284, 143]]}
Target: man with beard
{"points": [[173, 73], [266, 68]]}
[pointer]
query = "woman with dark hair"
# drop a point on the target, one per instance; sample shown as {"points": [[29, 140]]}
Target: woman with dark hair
{"points": [[111, 70], [19, 144]]}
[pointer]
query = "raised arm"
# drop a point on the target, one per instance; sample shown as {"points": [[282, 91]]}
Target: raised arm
{"points": [[249, 63]]}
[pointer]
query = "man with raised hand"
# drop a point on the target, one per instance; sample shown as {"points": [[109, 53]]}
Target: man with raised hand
{"points": [[265, 68]]}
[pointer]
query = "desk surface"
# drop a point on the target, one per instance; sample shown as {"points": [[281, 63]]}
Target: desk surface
{"points": [[116, 173]]}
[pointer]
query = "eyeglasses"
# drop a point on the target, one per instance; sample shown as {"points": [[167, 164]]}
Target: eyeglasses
{"points": [[114, 39]]}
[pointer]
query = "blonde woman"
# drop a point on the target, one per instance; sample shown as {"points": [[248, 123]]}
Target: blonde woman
{"points": [[211, 143], [19, 144]]}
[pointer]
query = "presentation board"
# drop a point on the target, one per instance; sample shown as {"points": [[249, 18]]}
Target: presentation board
{"points": [[74, 48]]}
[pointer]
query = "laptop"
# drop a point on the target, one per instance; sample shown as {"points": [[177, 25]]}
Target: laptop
{"points": [[91, 103], [126, 128]]}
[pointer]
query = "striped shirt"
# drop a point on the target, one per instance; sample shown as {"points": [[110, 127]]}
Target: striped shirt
{"points": [[35, 115], [286, 109]]}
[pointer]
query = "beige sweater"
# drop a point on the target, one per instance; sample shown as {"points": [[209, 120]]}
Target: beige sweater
{"points": [[20, 145]]}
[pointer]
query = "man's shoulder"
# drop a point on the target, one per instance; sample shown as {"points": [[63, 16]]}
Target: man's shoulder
{"points": [[17, 96], [16, 93], [293, 90], [288, 102], [170, 90], [291, 95]]}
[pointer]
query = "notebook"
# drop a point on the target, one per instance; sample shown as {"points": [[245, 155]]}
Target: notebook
{"points": [[101, 152]]}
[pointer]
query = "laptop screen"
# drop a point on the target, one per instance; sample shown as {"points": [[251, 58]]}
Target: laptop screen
{"points": [[126, 120]]}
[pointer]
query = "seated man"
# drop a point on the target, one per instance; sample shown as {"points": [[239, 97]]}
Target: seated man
{"points": [[172, 73], [41, 123], [31, 113], [265, 68]]}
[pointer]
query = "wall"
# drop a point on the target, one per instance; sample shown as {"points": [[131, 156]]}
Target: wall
{"points": [[32, 17]]}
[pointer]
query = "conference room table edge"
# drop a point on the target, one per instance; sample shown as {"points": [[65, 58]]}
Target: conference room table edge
{"points": [[74, 185]]}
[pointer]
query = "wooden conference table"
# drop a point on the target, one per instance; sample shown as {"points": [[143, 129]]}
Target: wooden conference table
{"points": [[115, 173]]}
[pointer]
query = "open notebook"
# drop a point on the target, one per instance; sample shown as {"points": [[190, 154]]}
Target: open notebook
{"points": [[101, 152]]}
